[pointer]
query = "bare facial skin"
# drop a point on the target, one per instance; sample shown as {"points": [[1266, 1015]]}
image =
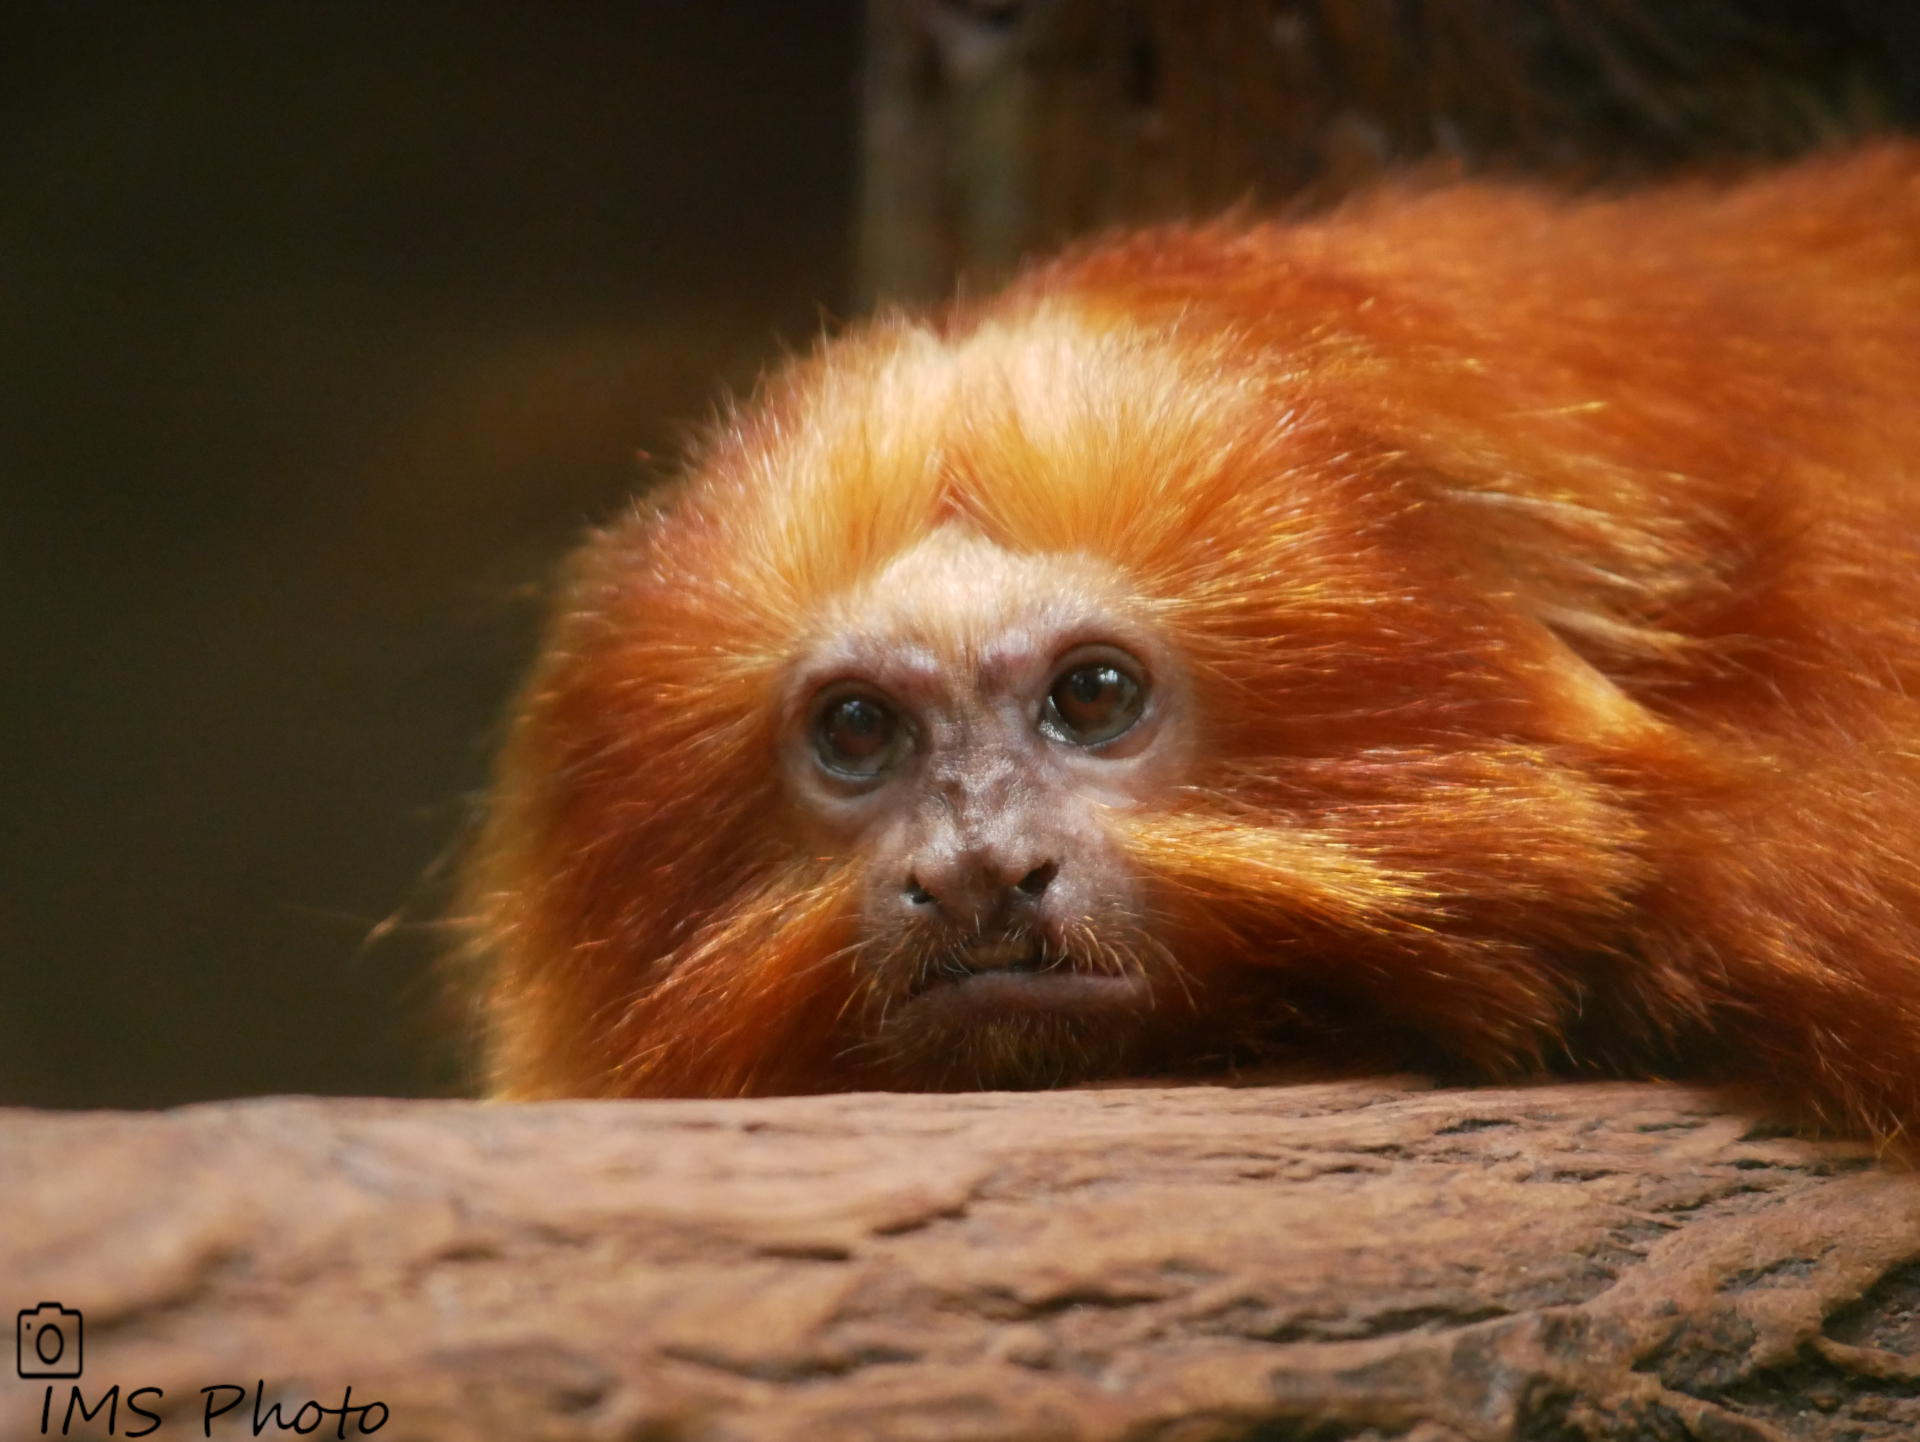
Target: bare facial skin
{"points": [[966, 726]]}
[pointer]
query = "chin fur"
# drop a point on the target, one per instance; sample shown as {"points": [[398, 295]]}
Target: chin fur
{"points": [[1007, 1052]]}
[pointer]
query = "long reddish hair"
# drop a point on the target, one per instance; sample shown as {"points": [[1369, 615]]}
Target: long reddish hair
{"points": [[1547, 572]]}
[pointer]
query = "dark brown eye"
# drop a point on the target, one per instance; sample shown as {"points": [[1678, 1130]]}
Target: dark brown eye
{"points": [[857, 735], [1092, 703]]}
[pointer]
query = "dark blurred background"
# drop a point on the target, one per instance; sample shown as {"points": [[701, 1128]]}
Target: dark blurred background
{"points": [[324, 328]]}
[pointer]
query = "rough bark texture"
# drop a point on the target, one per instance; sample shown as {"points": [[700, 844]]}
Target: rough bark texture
{"points": [[1340, 1261]]}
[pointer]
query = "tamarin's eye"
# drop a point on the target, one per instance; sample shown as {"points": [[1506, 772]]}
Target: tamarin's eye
{"points": [[1092, 702], [858, 735]]}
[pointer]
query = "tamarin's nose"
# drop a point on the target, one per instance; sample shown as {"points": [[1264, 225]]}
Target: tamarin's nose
{"points": [[1036, 881], [973, 892]]}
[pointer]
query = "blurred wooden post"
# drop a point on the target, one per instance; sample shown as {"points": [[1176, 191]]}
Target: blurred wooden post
{"points": [[997, 127]]}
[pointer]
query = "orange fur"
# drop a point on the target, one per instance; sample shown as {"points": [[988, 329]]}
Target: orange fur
{"points": [[1547, 574]]}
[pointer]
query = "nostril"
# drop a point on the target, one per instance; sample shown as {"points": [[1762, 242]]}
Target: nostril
{"points": [[1037, 880], [916, 894]]}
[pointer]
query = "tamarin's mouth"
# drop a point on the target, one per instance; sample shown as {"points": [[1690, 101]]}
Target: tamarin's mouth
{"points": [[1022, 974], [1017, 953]]}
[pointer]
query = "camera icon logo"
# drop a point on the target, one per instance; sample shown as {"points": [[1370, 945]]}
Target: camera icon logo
{"points": [[48, 1341]]}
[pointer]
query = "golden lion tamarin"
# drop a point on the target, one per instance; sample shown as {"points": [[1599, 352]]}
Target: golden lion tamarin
{"points": [[1474, 629]]}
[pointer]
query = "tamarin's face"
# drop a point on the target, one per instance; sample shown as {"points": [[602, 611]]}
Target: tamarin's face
{"points": [[965, 725]]}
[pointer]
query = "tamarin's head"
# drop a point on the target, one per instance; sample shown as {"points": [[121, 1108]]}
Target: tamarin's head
{"points": [[1060, 688]]}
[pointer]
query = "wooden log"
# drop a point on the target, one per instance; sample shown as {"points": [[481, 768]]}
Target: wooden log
{"points": [[1354, 1260]]}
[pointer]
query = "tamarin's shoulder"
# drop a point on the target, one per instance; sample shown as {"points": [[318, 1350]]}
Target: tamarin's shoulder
{"points": [[1848, 219]]}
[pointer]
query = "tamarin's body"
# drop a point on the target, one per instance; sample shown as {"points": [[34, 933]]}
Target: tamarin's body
{"points": [[1476, 629]]}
